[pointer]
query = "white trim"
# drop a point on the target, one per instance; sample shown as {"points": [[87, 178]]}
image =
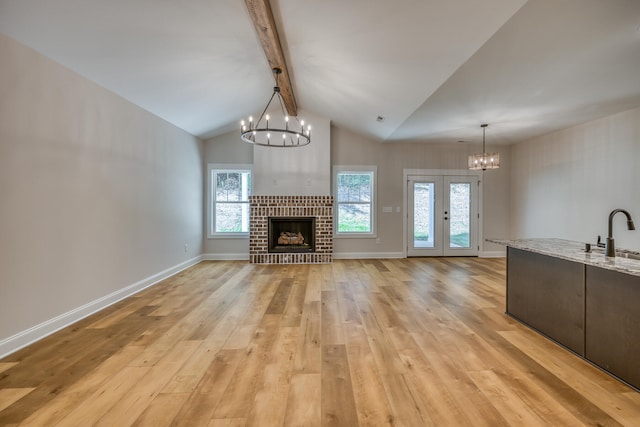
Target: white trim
{"points": [[444, 172], [492, 254], [367, 255], [373, 170], [218, 236], [29, 336], [229, 167], [226, 257]]}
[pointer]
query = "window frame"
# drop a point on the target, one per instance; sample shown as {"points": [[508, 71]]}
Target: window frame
{"points": [[359, 169], [212, 170]]}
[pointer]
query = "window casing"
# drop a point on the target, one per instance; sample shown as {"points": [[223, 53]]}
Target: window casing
{"points": [[354, 190], [228, 200]]}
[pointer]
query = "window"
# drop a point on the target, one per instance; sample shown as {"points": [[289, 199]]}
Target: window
{"points": [[229, 191], [354, 190]]}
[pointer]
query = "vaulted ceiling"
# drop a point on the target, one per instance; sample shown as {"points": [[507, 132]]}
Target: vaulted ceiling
{"points": [[433, 69]]}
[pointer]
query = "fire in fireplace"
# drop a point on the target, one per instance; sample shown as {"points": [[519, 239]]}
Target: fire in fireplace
{"points": [[292, 234]]}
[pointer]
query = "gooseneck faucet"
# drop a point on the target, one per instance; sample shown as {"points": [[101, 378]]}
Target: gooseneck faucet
{"points": [[610, 248]]}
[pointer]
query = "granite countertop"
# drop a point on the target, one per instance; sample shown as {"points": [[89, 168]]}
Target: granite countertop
{"points": [[574, 251]]}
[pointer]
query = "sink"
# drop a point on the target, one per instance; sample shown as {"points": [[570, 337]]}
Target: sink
{"points": [[629, 255], [619, 253]]}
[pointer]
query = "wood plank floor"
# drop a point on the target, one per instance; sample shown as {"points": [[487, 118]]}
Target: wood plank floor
{"points": [[408, 342]]}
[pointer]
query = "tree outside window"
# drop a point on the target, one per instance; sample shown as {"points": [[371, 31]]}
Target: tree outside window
{"points": [[230, 201], [355, 196]]}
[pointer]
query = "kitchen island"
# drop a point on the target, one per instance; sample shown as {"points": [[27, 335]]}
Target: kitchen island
{"points": [[586, 302]]}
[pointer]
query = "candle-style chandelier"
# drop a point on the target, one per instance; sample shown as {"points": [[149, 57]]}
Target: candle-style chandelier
{"points": [[275, 132], [484, 160]]}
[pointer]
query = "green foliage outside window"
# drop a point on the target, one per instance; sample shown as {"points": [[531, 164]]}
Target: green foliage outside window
{"points": [[355, 191], [231, 201]]}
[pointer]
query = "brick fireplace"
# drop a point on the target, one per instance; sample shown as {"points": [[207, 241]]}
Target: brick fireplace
{"points": [[320, 208]]}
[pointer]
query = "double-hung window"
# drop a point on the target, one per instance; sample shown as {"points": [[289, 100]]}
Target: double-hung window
{"points": [[354, 191], [229, 191]]}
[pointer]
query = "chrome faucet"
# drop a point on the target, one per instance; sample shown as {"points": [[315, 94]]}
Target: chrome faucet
{"points": [[610, 248]]}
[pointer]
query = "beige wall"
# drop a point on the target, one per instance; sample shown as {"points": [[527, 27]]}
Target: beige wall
{"points": [[276, 171], [228, 149], [96, 194], [566, 183], [392, 159], [348, 148]]}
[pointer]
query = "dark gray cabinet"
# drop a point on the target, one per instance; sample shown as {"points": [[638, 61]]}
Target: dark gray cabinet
{"points": [[590, 310], [547, 294], [613, 322]]}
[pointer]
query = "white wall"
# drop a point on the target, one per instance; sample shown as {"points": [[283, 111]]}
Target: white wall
{"points": [[566, 183], [96, 194], [300, 171]]}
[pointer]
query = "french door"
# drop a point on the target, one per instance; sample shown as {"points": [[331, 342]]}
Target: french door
{"points": [[442, 215]]}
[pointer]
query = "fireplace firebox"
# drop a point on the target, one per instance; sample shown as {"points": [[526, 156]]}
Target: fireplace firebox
{"points": [[292, 234]]}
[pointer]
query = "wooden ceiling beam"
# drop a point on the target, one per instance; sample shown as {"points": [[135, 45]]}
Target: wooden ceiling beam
{"points": [[262, 17]]}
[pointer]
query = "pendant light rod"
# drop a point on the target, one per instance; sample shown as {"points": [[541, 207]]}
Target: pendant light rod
{"points": [[261, 132], [484, 129]]}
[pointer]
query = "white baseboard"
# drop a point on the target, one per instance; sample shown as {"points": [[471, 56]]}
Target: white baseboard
{"points": [[226, 257], [387, 255], [367, 255], [492, 254], [22, 339]]}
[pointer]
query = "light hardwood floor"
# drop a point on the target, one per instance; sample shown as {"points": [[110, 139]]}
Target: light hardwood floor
{"points": [[412, 342]]}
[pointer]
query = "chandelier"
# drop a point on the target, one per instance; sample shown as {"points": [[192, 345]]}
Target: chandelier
{"points": [[484, 160], [278, 132]]}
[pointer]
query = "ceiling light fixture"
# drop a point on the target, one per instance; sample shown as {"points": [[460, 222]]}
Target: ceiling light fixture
{"points": [[270, 132], [484, 160]]}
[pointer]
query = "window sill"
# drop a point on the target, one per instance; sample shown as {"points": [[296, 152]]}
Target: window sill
{"points": [[228, 236], [355, 236]]}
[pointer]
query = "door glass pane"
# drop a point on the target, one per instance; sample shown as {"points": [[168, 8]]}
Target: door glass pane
{"points": [[460, 205], [423, 211]]}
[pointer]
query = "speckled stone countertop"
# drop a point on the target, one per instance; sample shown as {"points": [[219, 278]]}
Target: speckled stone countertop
{"points": [[574, 251]]}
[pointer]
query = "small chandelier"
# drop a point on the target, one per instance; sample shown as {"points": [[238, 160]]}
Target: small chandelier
{"points": [[484, 160], [275, 133]]}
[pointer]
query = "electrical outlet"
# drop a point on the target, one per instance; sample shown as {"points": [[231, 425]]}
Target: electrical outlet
{"points": [[186, 247]]}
